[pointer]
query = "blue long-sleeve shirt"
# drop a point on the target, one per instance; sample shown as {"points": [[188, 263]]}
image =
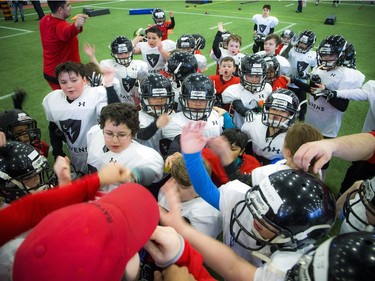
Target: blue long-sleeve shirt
{"points": [[200, 179]]}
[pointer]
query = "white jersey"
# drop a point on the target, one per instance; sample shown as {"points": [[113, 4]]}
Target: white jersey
{"points": [[144, 121], [279, 264], [75, 119], [153, 57], [258, 174], [202, 216], [300, 63], [360, 210], [367, 92], [264, 24], [213, 128], [135, 155], [249, 100], [320, 113], [267, 147], [202, 61], [128, 76]]}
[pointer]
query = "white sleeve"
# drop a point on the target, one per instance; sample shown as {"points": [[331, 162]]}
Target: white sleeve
{"points": [[274, 22], [365, 93], [229, 95]]}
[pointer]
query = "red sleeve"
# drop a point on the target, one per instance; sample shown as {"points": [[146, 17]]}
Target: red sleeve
{"points": [[66, 31], [372, 159], [28, 211], [280, 83], [249, 164], [218, 175], [193, 260]]}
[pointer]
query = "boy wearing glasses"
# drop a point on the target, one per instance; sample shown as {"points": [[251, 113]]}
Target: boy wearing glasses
{"points": [[112, 141]]}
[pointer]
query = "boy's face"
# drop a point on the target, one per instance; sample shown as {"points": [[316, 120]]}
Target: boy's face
{"points": [[21, 132], [265, 232], [153, 39], [233, 47], [270, 47], [116, 138], [72, 84], [252, 78], [266, 12], [278, 115], [32, 182], [227, 68], [197, 104]]}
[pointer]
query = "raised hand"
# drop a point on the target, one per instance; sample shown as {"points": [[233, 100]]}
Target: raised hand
{"points": [[192, 138]]}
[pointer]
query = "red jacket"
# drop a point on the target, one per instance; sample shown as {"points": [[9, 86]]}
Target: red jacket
{"points": [[29, 210], [59, 42]]}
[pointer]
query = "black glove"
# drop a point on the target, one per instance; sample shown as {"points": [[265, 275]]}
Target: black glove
{"points": [[18, 99]]}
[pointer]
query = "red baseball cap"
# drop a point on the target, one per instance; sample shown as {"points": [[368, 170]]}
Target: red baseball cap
{"points": [[89, 241]]}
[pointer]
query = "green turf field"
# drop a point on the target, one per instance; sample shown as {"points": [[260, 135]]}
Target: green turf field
{"points": [[21, 59]]}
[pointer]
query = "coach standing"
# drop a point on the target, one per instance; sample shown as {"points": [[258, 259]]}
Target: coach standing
{"points": [[59, 39]]}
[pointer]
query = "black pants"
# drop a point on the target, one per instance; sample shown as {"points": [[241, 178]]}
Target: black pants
{"points": [[38, 9]]}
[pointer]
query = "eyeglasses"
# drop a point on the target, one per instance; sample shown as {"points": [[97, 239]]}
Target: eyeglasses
{"points": [[120, 136]]}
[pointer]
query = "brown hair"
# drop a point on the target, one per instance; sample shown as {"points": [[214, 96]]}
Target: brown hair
{"points": [[273, 36], [180, 173], [234, 38], [299, 134], [227, 59]]}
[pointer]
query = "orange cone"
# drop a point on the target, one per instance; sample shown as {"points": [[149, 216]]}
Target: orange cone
{"points": [[6, 10]]}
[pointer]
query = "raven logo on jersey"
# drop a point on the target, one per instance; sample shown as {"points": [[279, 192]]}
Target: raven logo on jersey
{"points": [[128, 83], [262, 27], [301, 66], [71, 128], [152, 59]]}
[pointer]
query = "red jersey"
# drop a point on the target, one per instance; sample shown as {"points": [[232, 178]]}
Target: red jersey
{"points": [[164, 29], [280, 83], [221, 85], [59, 42]]}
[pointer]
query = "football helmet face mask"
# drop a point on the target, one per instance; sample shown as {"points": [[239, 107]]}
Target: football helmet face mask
{"points": [[12, 120], [122, 45], [200, 41], [307, 38], [186, 42], [281, 100], [286, 36], [20, 165], [350, 56], [156, 95], [366, 193], [331, 51], [253, 65], [293, 205], [197, 97], [346, 257], [158, 15], [273, 68], [181, 64]]}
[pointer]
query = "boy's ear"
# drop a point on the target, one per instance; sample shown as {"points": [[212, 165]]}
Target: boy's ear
{"points": [[288, 153]]}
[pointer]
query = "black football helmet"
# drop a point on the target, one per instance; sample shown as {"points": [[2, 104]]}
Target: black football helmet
{"points": [[186, 42], [286, 36], [20, 163], [350, 56], [120, 45], [158, 15], [10, 119], [296, 207], [346, 257], [180, 64], [283, 100], [332, 45], [366, 196], [200, 41], [308, 38], [195, 87], [158, 87], [253, 65], [273, 68]]}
